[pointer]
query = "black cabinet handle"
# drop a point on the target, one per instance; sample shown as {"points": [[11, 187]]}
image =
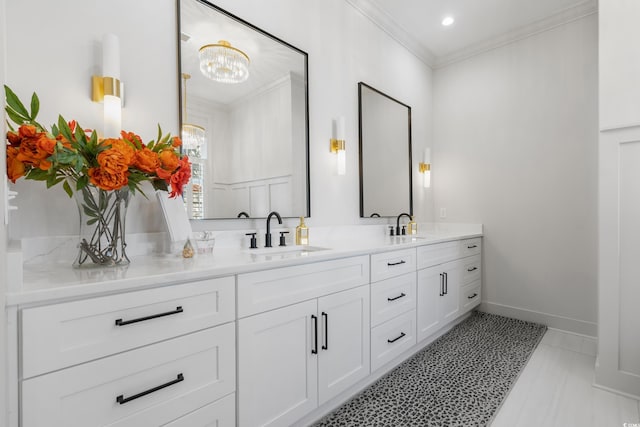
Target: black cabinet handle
{"points": [[472, 296], [314, 319], [402, 334], [441, 284], [120, 322], [472, 269], [122, 400], [472, 247], [398, 297], [396, 263], [325, 346], [446, 283]]}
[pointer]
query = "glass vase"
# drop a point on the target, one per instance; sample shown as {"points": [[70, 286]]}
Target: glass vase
{"points": [[102, 227]]}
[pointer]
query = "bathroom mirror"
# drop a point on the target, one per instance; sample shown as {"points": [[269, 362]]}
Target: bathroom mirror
{"points": [[251, 156], [385, 154]]}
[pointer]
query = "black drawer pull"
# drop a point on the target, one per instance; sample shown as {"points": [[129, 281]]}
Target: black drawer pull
{"points": [[396, 263], [398, 297], [120, 322], [472, 247], [314, 319], [472, 296], [325, 346], [472, 269], [122, 400], [402, 334]]}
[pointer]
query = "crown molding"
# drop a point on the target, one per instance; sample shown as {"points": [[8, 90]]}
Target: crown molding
{"points": [[413, 45], [586, 8], [389, 26]]}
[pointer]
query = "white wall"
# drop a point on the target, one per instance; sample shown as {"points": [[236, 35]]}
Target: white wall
{"points": [[515, 148], [3, 233], [343, 46]]}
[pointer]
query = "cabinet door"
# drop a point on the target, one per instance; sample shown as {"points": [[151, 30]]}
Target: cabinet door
{"points": [[430, 290], [450, 301], [277, 371], [344, 341]]}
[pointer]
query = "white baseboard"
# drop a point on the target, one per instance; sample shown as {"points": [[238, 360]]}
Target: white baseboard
{"points": [[567, 324]]}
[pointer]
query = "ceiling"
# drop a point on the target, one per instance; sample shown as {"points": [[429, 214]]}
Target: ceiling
{"points": [[479, 24]]}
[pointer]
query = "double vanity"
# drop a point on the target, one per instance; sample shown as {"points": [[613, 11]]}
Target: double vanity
{"points": [[275, 336]]}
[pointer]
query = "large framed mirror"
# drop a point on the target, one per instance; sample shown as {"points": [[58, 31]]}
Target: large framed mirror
{"points": [[386, 188], [244, 116]]}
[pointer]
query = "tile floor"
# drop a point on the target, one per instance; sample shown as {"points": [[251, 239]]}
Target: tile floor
{"points": [[555, 389]]}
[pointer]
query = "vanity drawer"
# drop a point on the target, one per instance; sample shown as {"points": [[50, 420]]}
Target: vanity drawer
{"points": [[270, 289], [195, 369], [392, 338], [470, 296], [392, 297], [221, 413], [390, 264], [439, 253], [66, 334], [470, 247], [471, 269]]}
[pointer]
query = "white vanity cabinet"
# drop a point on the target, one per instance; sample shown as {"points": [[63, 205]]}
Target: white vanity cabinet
{"points": [[294, 358], [134, 359], [448, 276]]}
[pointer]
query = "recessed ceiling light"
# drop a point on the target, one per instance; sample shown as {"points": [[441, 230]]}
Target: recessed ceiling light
{"points": [[448, 21]]}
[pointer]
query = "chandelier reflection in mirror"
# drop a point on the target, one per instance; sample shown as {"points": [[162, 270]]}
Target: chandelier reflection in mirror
{"points": [[193, 136], [224, 63]]}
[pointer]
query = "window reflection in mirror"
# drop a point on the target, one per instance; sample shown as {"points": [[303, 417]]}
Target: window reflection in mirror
{"points": [[255, 156], [385, 154]]}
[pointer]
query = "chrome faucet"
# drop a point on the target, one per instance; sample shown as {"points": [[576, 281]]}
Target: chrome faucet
{"points": [[398, 222], [267, 237]]}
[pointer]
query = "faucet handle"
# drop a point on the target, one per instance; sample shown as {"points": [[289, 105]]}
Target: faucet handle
{"points": [[391, 230], [404, 230], [282, 238], [254, 241]]}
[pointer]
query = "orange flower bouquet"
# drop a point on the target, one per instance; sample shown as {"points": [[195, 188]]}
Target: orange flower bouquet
{"points": [[101, 174]]}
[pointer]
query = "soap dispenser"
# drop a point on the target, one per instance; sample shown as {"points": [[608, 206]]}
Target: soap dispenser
{"points": [[302, 233], [412, 227]]}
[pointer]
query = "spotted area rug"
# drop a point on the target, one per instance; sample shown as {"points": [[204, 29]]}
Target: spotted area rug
{"points": [[459, 380]]}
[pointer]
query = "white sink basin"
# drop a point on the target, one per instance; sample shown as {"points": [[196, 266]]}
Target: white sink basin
{"points": [[281, 252]]}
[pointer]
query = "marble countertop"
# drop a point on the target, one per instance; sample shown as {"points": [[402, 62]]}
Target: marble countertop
{"points": [[52, 282]]}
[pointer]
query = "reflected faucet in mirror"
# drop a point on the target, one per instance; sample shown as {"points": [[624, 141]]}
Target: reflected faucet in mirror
{"points": [[267, 236], [398, 223], [243, 214]]}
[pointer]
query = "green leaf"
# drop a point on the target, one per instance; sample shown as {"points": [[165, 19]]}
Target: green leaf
{"points": [[10, 127], [92, 221], [15, 117], [64, 128], [54, 130], [82, 182], [14, 102], [87, 210], [35, 106], [67, 188], [159, 133], [37, 174]]}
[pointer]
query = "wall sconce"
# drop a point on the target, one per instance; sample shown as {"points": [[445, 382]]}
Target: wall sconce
{"points": [[108, 88], [424, 168], [337, 145]]}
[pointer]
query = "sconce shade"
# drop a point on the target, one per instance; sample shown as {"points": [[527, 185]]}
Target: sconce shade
{"points": [[337, 145], [223, 63], [193, 136]]}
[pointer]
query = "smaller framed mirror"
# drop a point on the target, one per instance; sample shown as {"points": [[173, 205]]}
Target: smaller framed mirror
{"points": [[386, 188]]}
